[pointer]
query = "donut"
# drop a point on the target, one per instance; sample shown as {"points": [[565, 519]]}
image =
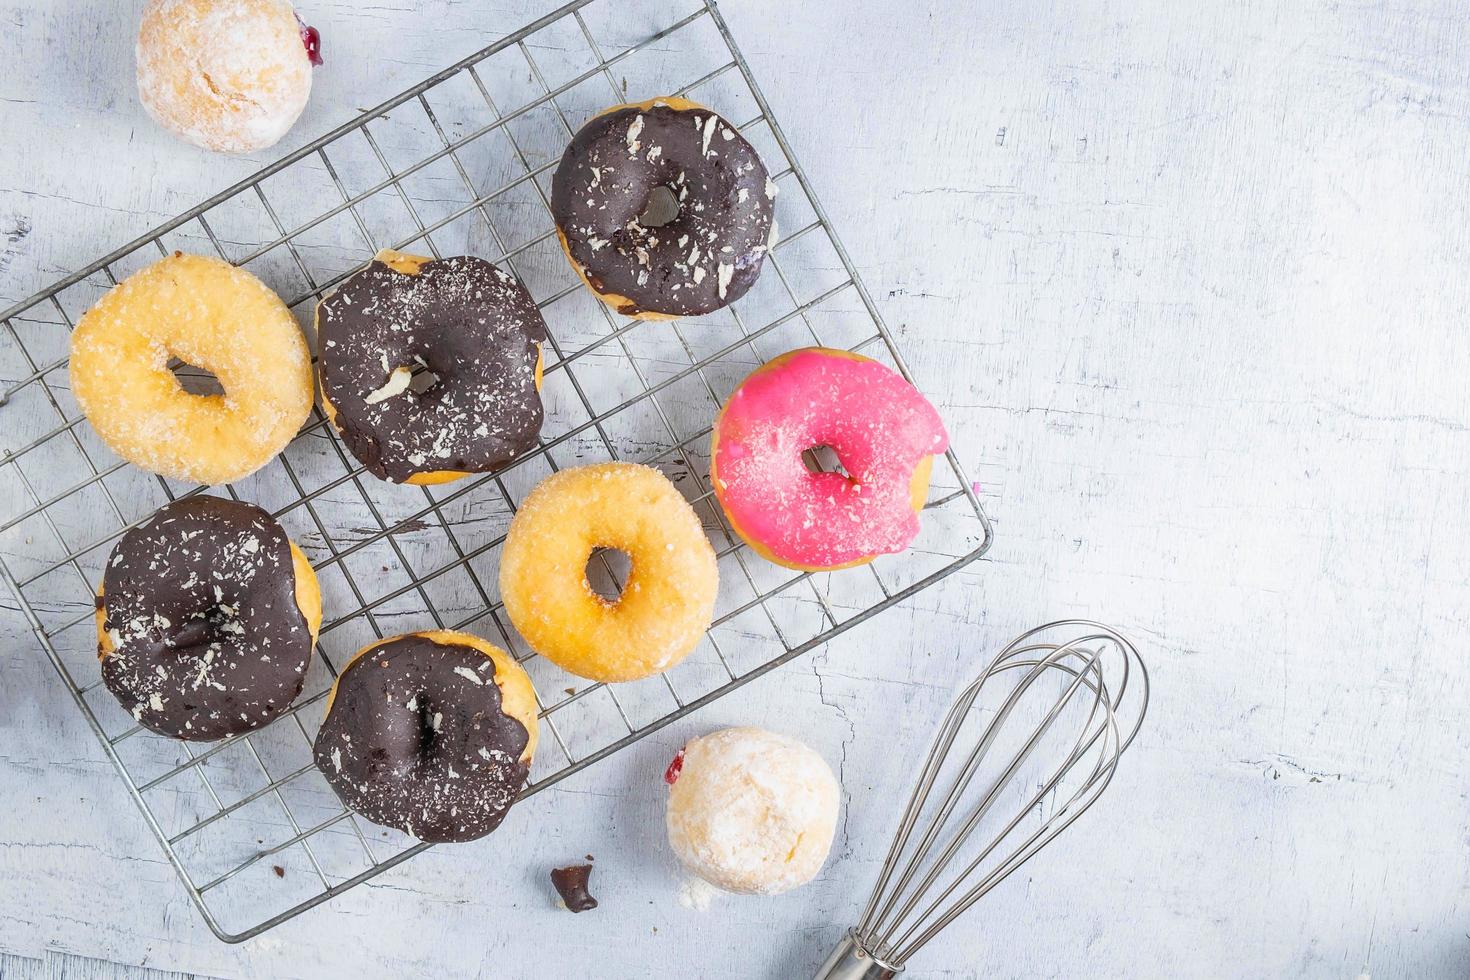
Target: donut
{"points": [[431, 733], [883, 431], [751, 811], [461, 321], [225, 75], [213, 316], [702, 258], [667, 601], [206, 618]]}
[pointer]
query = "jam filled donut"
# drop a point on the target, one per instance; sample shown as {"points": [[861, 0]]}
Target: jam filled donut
{"points": [[883, 431], [431, 369], [226, 75], [206, 618], [213, 316], [664, 155], [432, 733], [751, 811], [667, 601]]}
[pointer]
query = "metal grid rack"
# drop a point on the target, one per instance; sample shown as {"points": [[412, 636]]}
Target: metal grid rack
{"points": [[460, 163]]}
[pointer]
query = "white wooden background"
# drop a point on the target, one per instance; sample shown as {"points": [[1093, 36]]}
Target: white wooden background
{"points": [[1191, 275]]}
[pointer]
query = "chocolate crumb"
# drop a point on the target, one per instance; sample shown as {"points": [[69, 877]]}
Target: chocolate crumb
{"points": [[280, 871], [571, 885]]}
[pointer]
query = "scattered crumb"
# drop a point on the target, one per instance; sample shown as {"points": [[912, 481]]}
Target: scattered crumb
{"points": [[696, 893], [280, 871]]}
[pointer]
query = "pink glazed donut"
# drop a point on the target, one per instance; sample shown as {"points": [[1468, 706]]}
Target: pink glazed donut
{"points": [[883, 431]]}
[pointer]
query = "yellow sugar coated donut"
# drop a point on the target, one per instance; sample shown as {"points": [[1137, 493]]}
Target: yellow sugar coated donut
{"points": [[210, 315], [669, 597], [225, 75]]}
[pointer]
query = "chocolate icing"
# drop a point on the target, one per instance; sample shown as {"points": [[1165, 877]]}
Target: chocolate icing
{"points": [[462, 319], [416, 739], [200, 605], [571, 885], [709, 254]]}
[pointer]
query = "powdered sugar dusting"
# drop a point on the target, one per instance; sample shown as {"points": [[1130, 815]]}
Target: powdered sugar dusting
{"points": [[696, 894], [226, 75], [752, 811]]}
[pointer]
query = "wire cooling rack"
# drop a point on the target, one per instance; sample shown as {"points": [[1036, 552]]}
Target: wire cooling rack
{"points": [[460, 163]]}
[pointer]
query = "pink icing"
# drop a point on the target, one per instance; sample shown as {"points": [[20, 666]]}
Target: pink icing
{"points": [[877, 423]]}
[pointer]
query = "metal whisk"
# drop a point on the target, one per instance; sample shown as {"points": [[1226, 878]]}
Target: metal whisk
{"points": [[1024, 751]]}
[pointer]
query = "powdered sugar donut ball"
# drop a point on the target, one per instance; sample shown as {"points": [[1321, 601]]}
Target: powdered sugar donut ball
{"points": [[751, 811], [227, 75]]}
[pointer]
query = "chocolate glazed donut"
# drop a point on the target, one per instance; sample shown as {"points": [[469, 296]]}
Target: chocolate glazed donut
{"points": [[704, 257], [206, 618], [431, 369], [432, 733]]}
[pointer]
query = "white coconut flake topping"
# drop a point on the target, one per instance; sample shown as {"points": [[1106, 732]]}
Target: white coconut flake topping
{"points": [[709, 132], [468, 674], [396, 384]]}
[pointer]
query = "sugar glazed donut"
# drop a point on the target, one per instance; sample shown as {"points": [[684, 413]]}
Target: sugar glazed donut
{"points": [[703, 257], [751, 811], [213, 316], [431, 733], [667, 601], [431, 369], [883, 431], [225, 75], [206, 618]]}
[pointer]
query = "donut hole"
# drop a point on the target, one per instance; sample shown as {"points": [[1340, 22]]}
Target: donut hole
{"points": [[203, 629], [607, 571], [431, 720], [824, 459], [193, 379], [423, 379], [660, 208]]}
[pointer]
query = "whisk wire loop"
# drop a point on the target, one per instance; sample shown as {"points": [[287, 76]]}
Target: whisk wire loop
{"points": [[968, 771], [1105, 692]]}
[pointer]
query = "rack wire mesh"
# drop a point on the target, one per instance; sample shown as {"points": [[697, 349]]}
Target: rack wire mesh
{"points": [[460, 163]]}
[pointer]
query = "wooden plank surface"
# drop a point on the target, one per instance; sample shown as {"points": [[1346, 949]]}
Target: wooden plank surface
{"points": [[1188, 281]]}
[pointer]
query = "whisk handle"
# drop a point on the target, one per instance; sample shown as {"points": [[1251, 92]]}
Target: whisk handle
{"points": [[850, 961]]}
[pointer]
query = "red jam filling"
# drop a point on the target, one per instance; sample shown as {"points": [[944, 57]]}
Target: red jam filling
{"points": [[671, 774], [311, 39]]}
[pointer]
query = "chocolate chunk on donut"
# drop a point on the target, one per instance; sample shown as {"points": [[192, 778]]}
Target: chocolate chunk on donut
{"points": [[430, 368], [632, 162], [431, 733], [205, 619]]}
